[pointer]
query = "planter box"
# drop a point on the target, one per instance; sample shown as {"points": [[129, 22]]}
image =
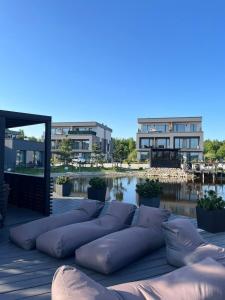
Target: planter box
{"points": [[211, 220], [63, 189], [96, 194], [152, 202]]}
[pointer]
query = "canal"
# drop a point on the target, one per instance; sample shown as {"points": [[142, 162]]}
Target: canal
{"points": [[179, 197]]}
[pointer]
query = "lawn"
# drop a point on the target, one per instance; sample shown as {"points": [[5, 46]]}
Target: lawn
{"points": [[70, 168]]}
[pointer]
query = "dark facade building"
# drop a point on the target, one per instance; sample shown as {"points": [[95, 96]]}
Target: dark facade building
{"points": [[23, 153]]}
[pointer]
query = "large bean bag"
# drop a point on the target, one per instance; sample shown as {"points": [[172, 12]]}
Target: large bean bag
{"points": [[200, 281], [184, 245], [25, 235], [63, 241], [118, 249]]}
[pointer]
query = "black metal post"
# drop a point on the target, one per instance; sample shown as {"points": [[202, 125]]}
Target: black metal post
{"points": [[2, 158], [47, 166]]}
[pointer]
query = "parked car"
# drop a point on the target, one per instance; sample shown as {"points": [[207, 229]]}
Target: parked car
{"points": [[79, 160]]}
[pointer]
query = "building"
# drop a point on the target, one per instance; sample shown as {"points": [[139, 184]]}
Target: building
{"points": [[23, 153], [183, 133], [83, 136]]}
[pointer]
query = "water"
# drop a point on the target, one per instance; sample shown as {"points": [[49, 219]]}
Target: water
{"points": [[179, 197]]}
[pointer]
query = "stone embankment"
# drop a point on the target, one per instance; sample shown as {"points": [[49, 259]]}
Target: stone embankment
{"points": [[167, 173]]}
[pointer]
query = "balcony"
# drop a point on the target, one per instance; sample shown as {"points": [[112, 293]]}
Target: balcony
{"points": [[72, 132]]}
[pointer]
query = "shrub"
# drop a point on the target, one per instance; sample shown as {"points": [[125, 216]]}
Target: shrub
{"points": [[149, 188], [97, 183], [210, 201], [63, 179]]}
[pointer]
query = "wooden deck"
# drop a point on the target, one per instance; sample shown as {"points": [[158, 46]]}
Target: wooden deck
{"points": [[28, 274]]}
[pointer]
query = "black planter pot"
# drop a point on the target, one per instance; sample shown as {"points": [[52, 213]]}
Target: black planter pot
{"points": [[96, 194], [211, 220], [63, 189], [152, 202]]}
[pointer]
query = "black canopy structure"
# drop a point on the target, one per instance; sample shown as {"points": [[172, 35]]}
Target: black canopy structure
{"points": [[165, 158], [26, 191]]}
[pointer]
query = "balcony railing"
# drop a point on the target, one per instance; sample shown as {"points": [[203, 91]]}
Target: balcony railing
{"points": [[82, 132]]}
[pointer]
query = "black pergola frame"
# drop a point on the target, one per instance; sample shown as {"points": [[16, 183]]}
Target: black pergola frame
{"points": [[10, 119]]}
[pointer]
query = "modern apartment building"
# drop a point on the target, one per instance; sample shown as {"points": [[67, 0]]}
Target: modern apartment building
{"points": [[184, 133], [83, 136]]}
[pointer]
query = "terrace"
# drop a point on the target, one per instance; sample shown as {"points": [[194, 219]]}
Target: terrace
{"points": [[28, 274]]}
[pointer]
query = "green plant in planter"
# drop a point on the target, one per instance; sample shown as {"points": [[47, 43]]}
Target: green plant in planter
{"points": [[62, 180], [149, 188], [210, 201], [97, 183]]}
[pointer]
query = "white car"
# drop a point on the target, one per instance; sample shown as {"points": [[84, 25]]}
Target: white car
{"points": [[79, 160]]}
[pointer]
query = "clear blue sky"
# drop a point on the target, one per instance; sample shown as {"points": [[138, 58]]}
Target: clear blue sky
{"points": [[114, 60]]}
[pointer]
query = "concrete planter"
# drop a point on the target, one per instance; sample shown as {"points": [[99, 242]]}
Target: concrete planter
{"points": [[152, 202], [63, 189], [96, 194], [211, 220]]}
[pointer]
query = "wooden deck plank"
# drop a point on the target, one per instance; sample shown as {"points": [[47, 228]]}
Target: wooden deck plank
{"points": [[28, 274]]}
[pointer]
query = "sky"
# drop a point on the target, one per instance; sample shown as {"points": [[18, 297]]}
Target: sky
{"points": [[113, 61]]}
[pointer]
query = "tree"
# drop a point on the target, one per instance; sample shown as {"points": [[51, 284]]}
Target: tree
{"points": [[65, 151], [212, 146], [21, 135], [221, 152], [213, 149], [124, 149], [97, 156], [211, 156]]}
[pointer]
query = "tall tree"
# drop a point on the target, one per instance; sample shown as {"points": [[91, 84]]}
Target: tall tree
{"points": [[65, 151], [97, 156]]}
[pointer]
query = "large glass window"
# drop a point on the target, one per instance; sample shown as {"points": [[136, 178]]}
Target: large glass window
{"points": [[144, 156], [178, 127], [146, 143], [20, 157], [162, 142], [154, 127], [194, 143], [65, 130], [188, 143], [81, 145], [58, 130], [161, 127], [193, 127]]}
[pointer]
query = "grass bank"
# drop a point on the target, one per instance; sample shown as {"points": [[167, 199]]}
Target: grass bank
{"points": [[64, 169]]}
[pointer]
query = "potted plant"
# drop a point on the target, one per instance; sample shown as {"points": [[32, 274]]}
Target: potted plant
{"points": [[97, 189], [63, 185], [149, 192], [210, 212]]}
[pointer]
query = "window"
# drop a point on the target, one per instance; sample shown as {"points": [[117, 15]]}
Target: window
{"points": [[58, 130], [146, 143], [179, 127], [162, 143], [80, 145], [144, 156], [188, 143], [161, 127], [194, 143], [65, 130]]}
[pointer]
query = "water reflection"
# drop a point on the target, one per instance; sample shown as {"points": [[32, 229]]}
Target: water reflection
{"points": [[179, 197]]}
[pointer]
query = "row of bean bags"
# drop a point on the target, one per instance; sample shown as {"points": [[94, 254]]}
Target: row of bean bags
{"points": [[200, 281], [118, 249], [184, 244], [25, 235], [63, 241]]}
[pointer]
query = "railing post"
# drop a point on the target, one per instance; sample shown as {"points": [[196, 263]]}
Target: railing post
{"points": [[2, 159]]}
